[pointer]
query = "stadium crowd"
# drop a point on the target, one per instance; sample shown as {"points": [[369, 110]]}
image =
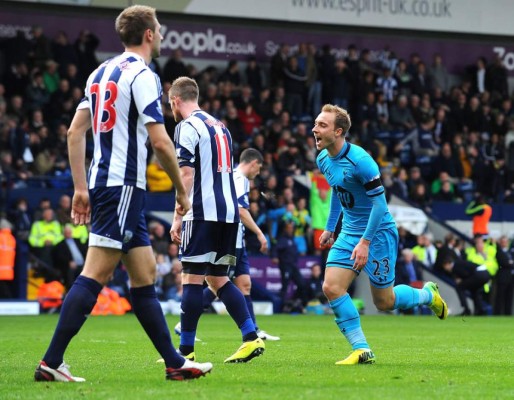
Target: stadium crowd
{"points": [[436, 137]]}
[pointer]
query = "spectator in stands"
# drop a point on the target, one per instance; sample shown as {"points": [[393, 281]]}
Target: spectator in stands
{"points": [[425, 252], [409, 271], [498, 78], [439, 74], [174, 67], [37, 96], [469, 277], [156, 177], [504, 280], [63, 52], [254, 76], [40, 47], [294, 85], [403, 77], [420, 197], [163, 271], [342, 84], [447, 251], [44, 235], [400, 115], [63, 211], [51, 76], [316, 285], [68, 257], [278, 64], [285, 254], [173, 282], [85, 47], [159, 238]]}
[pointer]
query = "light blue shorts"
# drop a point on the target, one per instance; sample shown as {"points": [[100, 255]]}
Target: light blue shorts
{"points": [[383, 251]]}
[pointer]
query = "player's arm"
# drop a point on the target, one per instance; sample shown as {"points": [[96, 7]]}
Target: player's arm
{"points": [[187, 176], [249, 223], [165, 152], [376, 193], [80, 209]]}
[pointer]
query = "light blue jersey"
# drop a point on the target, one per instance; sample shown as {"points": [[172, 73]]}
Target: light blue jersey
{"points": [[355, 178], [358, 193]]}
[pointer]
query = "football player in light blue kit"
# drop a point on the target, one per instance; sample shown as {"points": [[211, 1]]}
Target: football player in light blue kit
{"points": [[368, 239]]}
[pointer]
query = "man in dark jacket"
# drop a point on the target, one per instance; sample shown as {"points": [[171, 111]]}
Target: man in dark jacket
{"points": [[504, 279], [68, 257], [285, 254]]}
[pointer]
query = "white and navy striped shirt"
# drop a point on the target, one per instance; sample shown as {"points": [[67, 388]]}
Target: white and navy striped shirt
{"points": [[205, 144], [123, 95], [242, 191]]}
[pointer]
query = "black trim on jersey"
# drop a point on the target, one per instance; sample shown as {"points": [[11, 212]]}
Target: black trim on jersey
{"points": [[376, 194], [382, 284], [373, 184], [346, 151]]}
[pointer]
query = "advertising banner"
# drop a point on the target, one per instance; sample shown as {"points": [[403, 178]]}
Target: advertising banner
{"points": [[224, 42], [466, 16], [267, 274]]}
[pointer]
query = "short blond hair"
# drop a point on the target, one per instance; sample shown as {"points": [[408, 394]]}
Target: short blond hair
{"points": [[342, 119], [185, 88]]}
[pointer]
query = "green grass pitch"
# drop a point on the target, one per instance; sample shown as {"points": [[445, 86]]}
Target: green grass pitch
{"points": [[418, 357]]}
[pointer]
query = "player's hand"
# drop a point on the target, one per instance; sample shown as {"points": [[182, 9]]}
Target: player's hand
{"points": [[182, 205], [176, 231], [264, 244], [326, 239], [360, 255], [80, 207]]}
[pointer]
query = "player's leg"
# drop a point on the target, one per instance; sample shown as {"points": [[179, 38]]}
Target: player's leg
{"points": [[236, 307], [243, 281], [208, 297], [381, 271], [105, 243], [78, 304], [338, 278], [193, 277], [140, 264]]}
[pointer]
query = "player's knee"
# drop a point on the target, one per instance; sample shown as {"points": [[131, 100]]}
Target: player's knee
{"points": [[332, 290], [384, 304], [245, 288]]}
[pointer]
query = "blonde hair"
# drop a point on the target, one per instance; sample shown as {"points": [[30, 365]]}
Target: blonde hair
{"points": [[132, 23], [342, 119], [185, 88]]}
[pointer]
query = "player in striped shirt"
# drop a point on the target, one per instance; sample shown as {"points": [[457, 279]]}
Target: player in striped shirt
{"points": [[207, 233], [250, 163], [122, 106]]}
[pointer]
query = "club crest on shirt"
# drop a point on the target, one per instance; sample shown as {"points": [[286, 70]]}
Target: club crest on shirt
{"points": [[128, 236]]}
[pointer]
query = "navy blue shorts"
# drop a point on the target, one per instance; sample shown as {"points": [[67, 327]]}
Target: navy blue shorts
{"points": [[209, 242], [117, 218], [242, 266]]}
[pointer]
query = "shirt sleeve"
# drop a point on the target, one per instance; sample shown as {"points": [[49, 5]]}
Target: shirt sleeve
{"points": [[369, 175], [147, 91], [242, 189], [186, 140]]}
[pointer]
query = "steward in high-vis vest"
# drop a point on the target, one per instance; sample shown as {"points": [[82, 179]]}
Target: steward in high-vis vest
{"points": [[481, 213], [7, 256]]}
